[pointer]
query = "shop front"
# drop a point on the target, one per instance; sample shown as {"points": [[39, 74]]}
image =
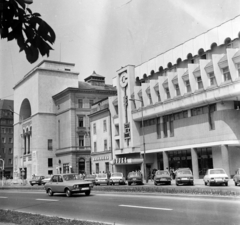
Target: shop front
{"points": [[101, 164]]}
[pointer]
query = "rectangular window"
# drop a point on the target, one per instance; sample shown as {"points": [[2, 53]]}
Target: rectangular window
{"points": [[91, 103], [117, 143], [212, 79], [177, 90], [105, 145], [165, 129], [226, 74], [94, 128], [141, 100], [107, 167], [10, 161], [95, 146], [3, 131], [50, 172], [10, 151], [97, 168], [212, 109], [171, 125], [158, 128], [158, 95], [238, 68], [188, 87], [65, 167], [50, 162], [200, 83], [80, 122], [167, 93], [104, 125], [150, 98], [3, 150], [3, 140], [10, 140], [80, 103], [81, 141], [50, 145]]}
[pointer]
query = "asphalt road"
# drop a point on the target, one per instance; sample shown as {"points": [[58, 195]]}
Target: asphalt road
{"points": [[123, 208]]}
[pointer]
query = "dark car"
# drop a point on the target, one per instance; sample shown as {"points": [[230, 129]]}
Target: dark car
{"points": [[37, 180], [162, 177], [68, 184], [236, 177], [184, 176], [135, 178], [90, 178]]}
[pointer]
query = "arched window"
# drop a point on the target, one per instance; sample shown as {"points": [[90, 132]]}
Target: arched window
{"points": [[25, 110]]}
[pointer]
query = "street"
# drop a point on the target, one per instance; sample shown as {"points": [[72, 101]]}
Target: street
{"points": [[124, 208]]}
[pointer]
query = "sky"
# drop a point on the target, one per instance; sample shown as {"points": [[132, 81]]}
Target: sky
{"points": [[104, 35]]}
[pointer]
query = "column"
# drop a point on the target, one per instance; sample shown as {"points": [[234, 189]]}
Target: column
{"points": [[195, 167], [165, 161], [225, 159]]}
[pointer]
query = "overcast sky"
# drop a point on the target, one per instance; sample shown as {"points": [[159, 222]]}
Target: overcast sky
{"points": [[104, 35]]}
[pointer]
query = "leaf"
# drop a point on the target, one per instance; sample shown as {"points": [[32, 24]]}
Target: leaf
{"points": [[31, 54], [36, 14], [29, 10], [21, 3]]}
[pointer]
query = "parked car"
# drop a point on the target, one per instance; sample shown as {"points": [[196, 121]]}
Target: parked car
{"points": [[236, 177], [37, 180], [117, 178], [216, 176], [46, 179], [91, 178], [135, 178], [184, 176], [101, 179], [162, 177], [69, 184]]}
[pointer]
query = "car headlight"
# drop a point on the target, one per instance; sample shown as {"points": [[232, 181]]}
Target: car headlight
{"points": [[226, 178], [75, 186]]}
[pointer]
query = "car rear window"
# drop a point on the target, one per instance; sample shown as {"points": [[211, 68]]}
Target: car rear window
{"points": [[102, 175], [162, 173], [184, 172], [217, 172], [116, 174], [134, 174]]}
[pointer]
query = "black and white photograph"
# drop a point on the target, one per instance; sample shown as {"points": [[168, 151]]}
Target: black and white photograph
{"points": [[120, 112]]}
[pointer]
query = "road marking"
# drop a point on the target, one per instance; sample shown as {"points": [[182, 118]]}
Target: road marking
{"points": [[3, 197], [51, 200], [143, 207]]}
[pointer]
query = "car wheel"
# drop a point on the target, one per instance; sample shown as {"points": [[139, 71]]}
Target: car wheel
{"points": [[208, 183], [226, 184], [87, 193], [155, 183], [50, 192], [129, 183], [205, 183], [68, 193], [192, 184], [31, 184], [169, 183], [235, 183], [177, 183]]}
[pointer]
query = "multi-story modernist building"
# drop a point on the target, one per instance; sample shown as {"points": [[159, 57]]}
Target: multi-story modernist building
{"points": [[52, 130], [6, 137], [101, 137], [191, 101]]}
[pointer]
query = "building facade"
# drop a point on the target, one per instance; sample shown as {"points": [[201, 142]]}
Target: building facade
{"points": [[188, 100], [6, 137], [101, 137], [51, 125]]}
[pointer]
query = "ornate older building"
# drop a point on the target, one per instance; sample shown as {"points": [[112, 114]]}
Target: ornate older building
{"points": [[51, 132]]}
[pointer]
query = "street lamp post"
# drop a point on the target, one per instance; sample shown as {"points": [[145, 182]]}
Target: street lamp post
{"points": [[143, 139], [2, 170]]}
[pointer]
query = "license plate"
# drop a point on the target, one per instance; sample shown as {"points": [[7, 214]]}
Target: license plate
{"points": [[115, 180], [184, 179], [86, 188], [218, 180], [134, 179], [163, 179]]}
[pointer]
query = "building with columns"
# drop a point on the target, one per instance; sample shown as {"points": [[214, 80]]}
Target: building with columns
{"points": [[189, 100], [51, 124]]}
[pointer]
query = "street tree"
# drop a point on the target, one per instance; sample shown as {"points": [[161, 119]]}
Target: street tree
{"points": [[33, 34]]}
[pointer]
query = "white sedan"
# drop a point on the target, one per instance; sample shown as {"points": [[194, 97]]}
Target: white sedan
{"points": [[117, 178], [216, 176]]}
